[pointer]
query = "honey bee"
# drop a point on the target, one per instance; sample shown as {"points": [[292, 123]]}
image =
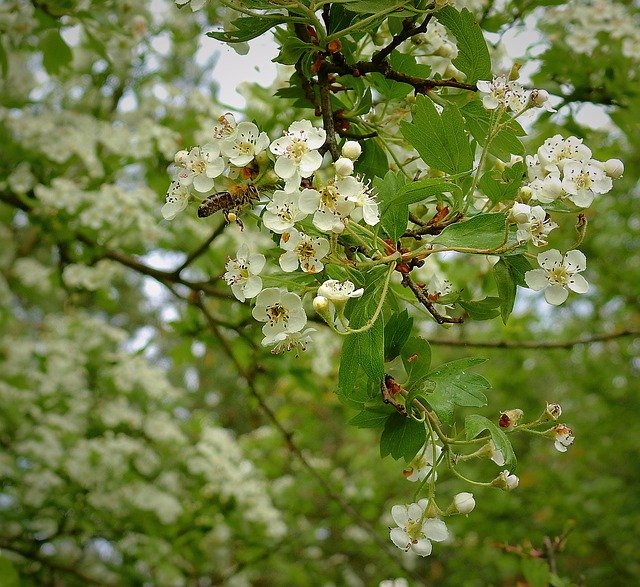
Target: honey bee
{"points": [[230, 202]]}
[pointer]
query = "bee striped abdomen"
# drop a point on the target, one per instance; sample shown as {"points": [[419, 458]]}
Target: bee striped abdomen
{"points": [[232, 201]]}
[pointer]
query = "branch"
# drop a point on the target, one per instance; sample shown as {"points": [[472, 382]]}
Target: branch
{"points": [[327, 113], [408, 30], [422, 298], [249, 376], [201, 249], [530, 344]]}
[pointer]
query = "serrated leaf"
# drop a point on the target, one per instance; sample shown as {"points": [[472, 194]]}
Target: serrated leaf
{"points": [[402, 437], [506, 140], [502, 187], [482, 309], [506, 288], [416, 358], [292, 49], [247, 28], [473, 54], [389, 88], [482, 232], [405, 63], [375, 6], [56, 54], [396, 332], [474, 424], [394, 212], [440, 139], [455, 386], [372, 418]]}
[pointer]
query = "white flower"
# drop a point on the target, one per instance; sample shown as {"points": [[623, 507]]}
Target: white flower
{"points": [[297, 151], [282, 311], [195, 4], [533, 224], [202, 165], [547, 189], [302, 250], [583, 180], [242, 273], [343, 167], [553, 411], [330, 206], [500, 92], [422, 464], [283, 211], [464, 502], [287, 341], [351, 150], [245, 144], [415, 532], [226, 127], [176, 201], [505, 480], [540, 98], [339, 293], [558, 274], [563, 437], [359, 193], [496, 455], [556, 151]]}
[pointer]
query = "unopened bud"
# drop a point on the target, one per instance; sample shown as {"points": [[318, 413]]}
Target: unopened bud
{"points": [[464, 502], [539, 97], [614, 168], [351, 150], [321, 305], [343, 167], [509, 419], [525, 193], [520, 213], [553, 411]]}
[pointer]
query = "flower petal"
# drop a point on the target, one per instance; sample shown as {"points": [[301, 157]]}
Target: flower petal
{"points": [[555, 294], [435, 529], [536, 279], [578, 284]]}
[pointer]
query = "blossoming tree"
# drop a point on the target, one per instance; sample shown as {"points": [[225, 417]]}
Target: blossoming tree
{"points": [[228, 336]]}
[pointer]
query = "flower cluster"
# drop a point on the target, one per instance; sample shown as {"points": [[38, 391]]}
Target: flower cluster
{"points": [[416, 530], [326, 206]]}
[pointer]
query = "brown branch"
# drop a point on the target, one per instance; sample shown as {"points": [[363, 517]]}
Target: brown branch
{"points": [[328, 122], [422, 298], [250, 376], [408, 30], [201, 249], [543, 345]]}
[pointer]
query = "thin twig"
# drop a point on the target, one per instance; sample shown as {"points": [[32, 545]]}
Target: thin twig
{"points": [[408, 30], [201, 249], [331, 143], [422, 298]]}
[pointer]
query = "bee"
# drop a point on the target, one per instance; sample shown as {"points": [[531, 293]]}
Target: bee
{"points": [[230, 202]]}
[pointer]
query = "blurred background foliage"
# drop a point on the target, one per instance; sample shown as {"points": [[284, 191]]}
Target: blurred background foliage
{"points": [[106, 110]]}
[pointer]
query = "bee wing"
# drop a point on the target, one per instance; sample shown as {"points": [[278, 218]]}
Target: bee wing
{"points": [[211, 204]]}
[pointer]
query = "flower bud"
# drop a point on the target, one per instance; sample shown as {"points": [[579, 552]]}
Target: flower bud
{"points": [[509, 419], [525, 193], [614, 168], [520, 213], [552, 411], [343, 167], [539, 97], [181, 158], [321, 305], [507, 481], [464, 502], [351, 150]]}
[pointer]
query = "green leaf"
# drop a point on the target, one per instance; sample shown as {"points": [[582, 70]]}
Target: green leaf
{"points": [[473, 55], [504, 143], [416, 358], [506, 288], [56, 54], [396, 332], [372, 417], [482, 232], [405, 63], [394, 212], [375, 6], [455, 386], [440, 139], [402, 437], [247, 28], [389, 88], [474, 424], [482, 309], [292, 49], [373, 160], [501, 187]]}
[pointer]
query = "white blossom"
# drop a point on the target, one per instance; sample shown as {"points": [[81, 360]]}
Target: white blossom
{"points": [[288, 341], [302, 250], [533, 224], [558, 274], [496, 455], [331, 205], [614, 168], [563, 437], [464, 502], [422, 464], [247, 142], [506, 480], [177, 200], [225, 128], [415, 531], [297, 151], [201, 167], [242, 273], [582, 180], [556, 151], [282, 312], [339, 293], [502, 93], [351, 150], [553, 411], [284, 210]]}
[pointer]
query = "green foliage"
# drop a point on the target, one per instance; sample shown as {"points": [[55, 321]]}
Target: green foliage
{"points": [[474, 424], [483, 232], [402, 437]]}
